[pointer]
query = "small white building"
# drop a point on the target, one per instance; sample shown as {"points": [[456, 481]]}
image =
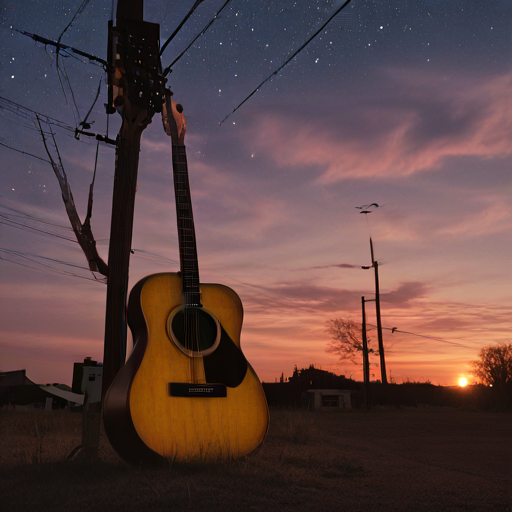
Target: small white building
{"points": [[87, 376], [331, 398]]}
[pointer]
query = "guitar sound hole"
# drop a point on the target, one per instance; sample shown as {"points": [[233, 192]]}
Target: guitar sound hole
{"points": [[195, 331]]}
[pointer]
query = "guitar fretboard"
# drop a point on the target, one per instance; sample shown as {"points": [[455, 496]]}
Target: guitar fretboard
{"points": [[186, 232]]}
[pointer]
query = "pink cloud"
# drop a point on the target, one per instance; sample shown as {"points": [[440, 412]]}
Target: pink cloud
{"points": [[410, 124], [494, 215]]}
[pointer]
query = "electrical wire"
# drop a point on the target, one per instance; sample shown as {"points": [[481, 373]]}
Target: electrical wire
{"points": [[66, 78], [77, 13], [24, 227], [30, 257], [83, 5], [84, 122], [24, 152], [49, 269], [203, 31], [19, 213], [26, 112], [442, 340], [180, 26], [287, 61]]}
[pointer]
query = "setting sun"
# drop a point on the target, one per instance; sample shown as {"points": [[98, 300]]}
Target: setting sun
{"points": [[463, 382]]}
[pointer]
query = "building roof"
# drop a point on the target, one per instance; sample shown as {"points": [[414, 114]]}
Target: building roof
{"points": [[15, 378], [67, 395]]}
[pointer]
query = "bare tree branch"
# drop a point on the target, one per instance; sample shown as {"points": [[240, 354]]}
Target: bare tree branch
{"points": [[83, 231]]}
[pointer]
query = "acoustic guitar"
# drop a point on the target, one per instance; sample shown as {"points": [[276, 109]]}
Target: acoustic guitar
{"points": [[187, 393]]}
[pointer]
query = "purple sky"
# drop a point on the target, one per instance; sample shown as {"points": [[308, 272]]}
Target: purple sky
{"points": [[406, 105]]}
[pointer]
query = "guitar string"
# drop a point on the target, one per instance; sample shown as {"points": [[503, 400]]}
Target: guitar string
{"points": [[188, 328], [190, 281], [193, 297], [185, 312]]}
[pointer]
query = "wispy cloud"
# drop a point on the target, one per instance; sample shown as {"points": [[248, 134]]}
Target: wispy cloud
{"points": [[309, 297], [492, 214], [410, 124], [335, 265]]}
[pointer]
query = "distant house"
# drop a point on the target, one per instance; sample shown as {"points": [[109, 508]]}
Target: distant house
{"points": [[314, 378], [332, 398], [18, 391], [332, 390]]}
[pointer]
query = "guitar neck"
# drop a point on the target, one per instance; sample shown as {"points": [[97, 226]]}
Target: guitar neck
{"points": [[186, 233]]}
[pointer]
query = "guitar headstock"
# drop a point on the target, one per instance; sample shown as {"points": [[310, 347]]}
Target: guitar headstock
{"points": [[174, 121]]}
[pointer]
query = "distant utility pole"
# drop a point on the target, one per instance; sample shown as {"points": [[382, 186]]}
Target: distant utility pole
{"points": [[366, 360], [136, 91], [375, 265]]}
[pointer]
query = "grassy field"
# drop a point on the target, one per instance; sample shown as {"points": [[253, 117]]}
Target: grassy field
{"points": [[384, 459]]}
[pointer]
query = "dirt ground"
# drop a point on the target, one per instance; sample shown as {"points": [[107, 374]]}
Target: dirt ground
{"points": [[386, 459]]}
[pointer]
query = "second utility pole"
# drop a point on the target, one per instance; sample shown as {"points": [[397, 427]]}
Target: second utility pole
{"points": [[375, 265]]}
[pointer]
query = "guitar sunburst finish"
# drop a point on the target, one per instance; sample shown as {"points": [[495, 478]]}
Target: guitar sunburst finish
{"points": [[179, 428]]}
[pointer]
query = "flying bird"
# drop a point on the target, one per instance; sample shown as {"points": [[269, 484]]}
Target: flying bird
{"points": [[365, 207]]}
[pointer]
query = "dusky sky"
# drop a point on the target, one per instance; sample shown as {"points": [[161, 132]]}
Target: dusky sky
{"points": [[405, 104]]}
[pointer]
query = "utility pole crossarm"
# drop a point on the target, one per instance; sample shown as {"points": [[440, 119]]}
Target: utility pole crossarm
{"points": [[61, 46]]}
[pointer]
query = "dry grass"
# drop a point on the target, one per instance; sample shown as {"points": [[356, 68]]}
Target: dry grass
{"points": [[387, 459]]}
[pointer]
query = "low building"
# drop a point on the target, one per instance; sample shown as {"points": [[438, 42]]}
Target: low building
{"points": [[330, 398], [294, 391], [17, 391]]}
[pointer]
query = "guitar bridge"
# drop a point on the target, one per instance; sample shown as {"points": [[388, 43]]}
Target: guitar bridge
{"points": [[187, 390]]}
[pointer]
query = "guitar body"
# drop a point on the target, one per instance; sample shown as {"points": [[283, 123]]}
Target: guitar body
{"points": [[147, 416]]}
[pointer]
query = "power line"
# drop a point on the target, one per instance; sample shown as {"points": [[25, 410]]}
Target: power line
{"points": [[84, 123], [24, 152], [290, 58], [28, 113], [179, 27], [66, 78], [77, 13], [83, 5], [394, 329], [24, 227], [30, 257], [33, 217], [49, 269], [203, 31]]}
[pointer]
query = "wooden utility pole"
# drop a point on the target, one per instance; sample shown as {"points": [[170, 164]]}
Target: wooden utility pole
{"points": [[136, 91], [366, 361], [375, 265]]}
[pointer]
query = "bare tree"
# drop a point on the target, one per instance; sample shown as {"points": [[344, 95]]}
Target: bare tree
{"points": [[346, 339], [494, 365]]}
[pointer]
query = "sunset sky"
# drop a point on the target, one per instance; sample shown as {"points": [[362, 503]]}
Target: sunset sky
{"points": [[403, 104]]}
